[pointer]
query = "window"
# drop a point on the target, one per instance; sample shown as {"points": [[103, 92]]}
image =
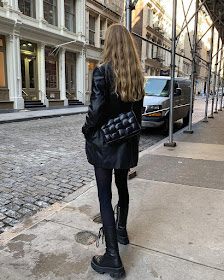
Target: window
{"points": [[51, 66], [91, 30], [27, 7], [70, 15], [50, 11], [2, 63], [1, 4]]}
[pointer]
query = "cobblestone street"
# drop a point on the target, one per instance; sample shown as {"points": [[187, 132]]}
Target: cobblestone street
{"points": [[42, 162]]}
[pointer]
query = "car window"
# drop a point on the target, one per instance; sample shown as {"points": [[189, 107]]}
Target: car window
{"points": [[157, 87]]}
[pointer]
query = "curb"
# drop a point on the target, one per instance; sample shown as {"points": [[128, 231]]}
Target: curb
{"points": [[42, 117]]}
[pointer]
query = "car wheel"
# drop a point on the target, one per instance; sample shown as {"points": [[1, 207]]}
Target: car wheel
{"points": [[186, 120], [165, 127]]}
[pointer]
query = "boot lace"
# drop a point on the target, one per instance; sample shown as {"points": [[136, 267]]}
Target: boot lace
{"points": [[100, 234]]}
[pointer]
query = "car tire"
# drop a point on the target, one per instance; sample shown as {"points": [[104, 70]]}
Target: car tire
{"points": [[165, 127], [186, 120]]}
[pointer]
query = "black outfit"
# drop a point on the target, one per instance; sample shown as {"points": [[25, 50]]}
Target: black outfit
{"points": [[106, 104]]}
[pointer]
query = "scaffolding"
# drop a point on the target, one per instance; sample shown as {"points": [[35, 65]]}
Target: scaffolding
{"points": [[215, 9]]}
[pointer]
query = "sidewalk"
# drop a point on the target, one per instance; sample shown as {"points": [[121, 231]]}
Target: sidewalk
{"points": [[176, 221], [32, 114]]}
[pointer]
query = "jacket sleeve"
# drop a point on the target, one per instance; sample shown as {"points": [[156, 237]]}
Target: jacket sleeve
{"points": [[97, 102]]}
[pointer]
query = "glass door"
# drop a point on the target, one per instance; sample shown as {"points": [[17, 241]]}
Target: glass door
{"points": [[28, 68], [70, 72]]}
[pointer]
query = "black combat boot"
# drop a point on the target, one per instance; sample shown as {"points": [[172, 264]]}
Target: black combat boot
{"points": [[121, 222], [110, 262]]}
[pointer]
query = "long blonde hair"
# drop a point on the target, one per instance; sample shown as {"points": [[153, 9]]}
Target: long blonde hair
{"points": [[120, 50]]}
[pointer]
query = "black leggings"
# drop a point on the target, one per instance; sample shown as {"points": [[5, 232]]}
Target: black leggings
{"points": [[104, 180]]}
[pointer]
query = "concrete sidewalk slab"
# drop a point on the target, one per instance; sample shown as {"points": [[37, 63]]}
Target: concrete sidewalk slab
{"points": [[182, 241], [57, 256], [182, 221], [180, 170], [213, 152]]}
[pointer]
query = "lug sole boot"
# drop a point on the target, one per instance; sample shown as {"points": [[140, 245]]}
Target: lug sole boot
{"points": [[110, 262]]}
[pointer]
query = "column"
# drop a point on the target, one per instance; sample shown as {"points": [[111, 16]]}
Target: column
{"points": [[14, 69], [10, 67], [81, 17], [97, 34], [61, 14], [40, 11], [80, 70], [87, 25], [41, 74], [62, 79]]}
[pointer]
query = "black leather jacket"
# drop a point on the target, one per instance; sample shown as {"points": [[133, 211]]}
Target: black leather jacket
{"points": [[106, 104]]}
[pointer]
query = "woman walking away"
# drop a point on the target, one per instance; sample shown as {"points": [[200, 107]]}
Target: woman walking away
{"points": [[117, 87]]}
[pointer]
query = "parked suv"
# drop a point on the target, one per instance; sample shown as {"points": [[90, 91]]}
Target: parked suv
{"points": [[157, 102]]}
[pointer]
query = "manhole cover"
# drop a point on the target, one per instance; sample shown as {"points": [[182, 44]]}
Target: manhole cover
{"points": [[97, 219], [85, 237]]}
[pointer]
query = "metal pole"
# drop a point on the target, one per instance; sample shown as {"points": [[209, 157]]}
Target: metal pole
{"points": [[217, 96], [209, 75], [193, 65], [171, 143], [214, 82], [220, 109], [128, 14]]}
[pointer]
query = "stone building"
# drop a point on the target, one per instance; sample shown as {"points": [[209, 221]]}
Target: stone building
{"points": [[31, 67], [151, 20], [100, 14], [48, 49]]}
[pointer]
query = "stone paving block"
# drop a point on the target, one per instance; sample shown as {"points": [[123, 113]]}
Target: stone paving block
{"points": [[29, 199], [42, 204], [13, 206], [2, 216], [10, 221], [13, 214]]}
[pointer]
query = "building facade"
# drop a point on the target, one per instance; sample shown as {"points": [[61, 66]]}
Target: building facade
{"points": [[100, 14], [151, 21], [32, 67]]}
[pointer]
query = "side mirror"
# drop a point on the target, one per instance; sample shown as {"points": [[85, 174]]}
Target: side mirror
{"points": [[178, 92]]}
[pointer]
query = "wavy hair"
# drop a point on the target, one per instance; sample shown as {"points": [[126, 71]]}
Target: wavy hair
{"points": [[120, 50]]}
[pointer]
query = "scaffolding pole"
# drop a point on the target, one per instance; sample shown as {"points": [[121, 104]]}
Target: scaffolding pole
{"points": [[128, 15], [220, 109], [214, 82], [171, 143], [209, 74], [193, 68], [217, 96]]}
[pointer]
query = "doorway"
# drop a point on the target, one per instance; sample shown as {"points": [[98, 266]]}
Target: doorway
{"points": [[70, 69], [29, 71]]}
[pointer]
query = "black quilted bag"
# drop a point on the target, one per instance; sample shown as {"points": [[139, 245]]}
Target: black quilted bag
{"points": [[120, 128]]}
